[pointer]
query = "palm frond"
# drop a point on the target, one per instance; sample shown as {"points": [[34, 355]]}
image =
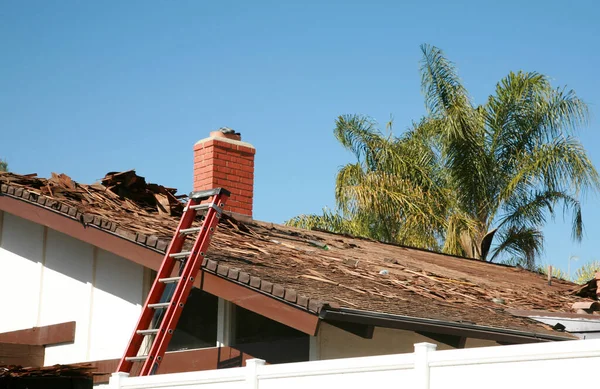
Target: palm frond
{"points": [[587, 272], [360, 135], [328, 221], [440, 83], [520, 242]]}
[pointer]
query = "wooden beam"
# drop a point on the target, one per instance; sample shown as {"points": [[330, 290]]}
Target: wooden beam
{"points": [[41, 336], [21, 354], [362, 330], [260, 303], [182, 361], [450, 340]]}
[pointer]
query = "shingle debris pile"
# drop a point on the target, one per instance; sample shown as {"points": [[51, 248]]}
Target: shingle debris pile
{"points": [[74, 370]]}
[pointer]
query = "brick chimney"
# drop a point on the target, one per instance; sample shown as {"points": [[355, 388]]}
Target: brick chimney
{"points": [[223, 160]]}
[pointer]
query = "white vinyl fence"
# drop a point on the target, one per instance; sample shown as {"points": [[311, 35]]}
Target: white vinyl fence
{"points": [[543, 365]]}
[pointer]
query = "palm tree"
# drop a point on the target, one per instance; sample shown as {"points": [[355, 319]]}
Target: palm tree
{"points": [[587, 272], [478, 181], [3, 166]]}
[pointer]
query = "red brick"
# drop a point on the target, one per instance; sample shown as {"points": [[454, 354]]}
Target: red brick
{"points": [[246, 202], [203, 177], [203, 170], [208, 143], [245, 187], [218, 162], [224, 145], [222, 154], [246, 181], [223, 169], [247, 169], [247, 150], [246, 157], [202, 182], [244, 162], [223, 182]]}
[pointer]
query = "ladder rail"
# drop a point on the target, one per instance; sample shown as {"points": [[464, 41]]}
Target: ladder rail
{"points": [[182, 291], [172, 310]]}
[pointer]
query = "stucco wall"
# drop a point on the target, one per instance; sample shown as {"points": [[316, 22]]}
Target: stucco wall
{"points": [[47, 277], [332, 342]]}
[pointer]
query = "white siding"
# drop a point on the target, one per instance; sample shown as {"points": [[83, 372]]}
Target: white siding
{"points": [[21, 258], [116, 306], [48, 277], [66, 292]]}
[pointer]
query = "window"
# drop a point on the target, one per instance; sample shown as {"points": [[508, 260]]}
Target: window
{"points": [[267, 339], [197, 326]]}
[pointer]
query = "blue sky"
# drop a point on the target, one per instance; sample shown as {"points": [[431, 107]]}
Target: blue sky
{"points": [[91, 87]]}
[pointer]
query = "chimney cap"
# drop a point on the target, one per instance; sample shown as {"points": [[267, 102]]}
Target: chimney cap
{"points": [[228, 131]]}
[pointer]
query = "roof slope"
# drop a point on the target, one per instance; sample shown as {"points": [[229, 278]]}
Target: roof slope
{"points": [[309, 268]]}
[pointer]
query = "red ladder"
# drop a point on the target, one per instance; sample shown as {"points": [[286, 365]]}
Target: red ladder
{"points": [[189, 268]]}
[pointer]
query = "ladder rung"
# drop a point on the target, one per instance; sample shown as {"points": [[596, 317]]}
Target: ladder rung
{"points": [[203, 207], [136, 359], [182, 254], [169, 280], [206, 194], [159, 305], [147, 332], [186, 231]]}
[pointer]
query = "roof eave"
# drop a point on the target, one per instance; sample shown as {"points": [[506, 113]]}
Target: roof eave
{"points": [[469, 330]]}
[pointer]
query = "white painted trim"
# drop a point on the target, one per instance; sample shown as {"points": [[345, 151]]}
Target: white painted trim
{"points": [[225, 323]]}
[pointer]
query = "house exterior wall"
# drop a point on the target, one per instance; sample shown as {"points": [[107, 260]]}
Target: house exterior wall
{"points": [[332, 342], [47, 277]]}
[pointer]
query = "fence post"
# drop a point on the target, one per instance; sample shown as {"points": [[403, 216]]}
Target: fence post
{"points": [[114, 382], [252, 366], [422, 364]]}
